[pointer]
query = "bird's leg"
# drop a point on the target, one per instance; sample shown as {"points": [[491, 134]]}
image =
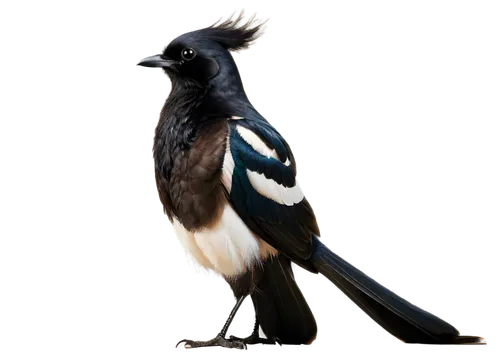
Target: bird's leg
{"points": [[220, 339]]}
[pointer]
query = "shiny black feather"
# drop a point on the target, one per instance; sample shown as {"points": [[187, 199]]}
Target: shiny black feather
{"points": [[280, 306], [288, 229], [270, 167]]}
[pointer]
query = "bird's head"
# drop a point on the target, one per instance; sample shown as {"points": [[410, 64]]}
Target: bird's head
{"points": [[202, 58]]}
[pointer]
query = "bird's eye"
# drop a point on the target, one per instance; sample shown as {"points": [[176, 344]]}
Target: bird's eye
{"points": [[188, 54]]}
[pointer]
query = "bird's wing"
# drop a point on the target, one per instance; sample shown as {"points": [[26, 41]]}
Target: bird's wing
{"points": [[259, 177]]}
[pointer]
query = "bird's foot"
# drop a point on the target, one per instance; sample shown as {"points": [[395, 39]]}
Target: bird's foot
{"points": [[218, 341], [254, 339]]}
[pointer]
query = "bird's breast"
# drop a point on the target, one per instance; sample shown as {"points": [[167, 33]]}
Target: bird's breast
{"points": [[188, 177]]}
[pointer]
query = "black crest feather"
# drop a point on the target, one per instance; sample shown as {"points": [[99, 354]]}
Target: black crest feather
{"points": [[237, 32]]}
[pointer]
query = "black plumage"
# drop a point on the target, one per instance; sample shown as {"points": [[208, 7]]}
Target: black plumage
{"points": [[280, 307], [227, 181]]}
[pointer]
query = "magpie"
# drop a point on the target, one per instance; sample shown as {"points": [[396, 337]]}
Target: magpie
{"points": [[227, 182]]}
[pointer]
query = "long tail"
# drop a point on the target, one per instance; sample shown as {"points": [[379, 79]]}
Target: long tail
{"points": [[396, 315]]}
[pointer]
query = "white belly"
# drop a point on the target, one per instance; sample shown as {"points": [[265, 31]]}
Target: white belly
{"points": [[228, 247]]}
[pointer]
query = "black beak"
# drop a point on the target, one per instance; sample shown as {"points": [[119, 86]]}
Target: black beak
{"points": [[157, 61]]}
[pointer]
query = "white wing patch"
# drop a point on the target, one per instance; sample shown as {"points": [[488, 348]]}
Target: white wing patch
{"points": [[274, 191], [257, 144], [264, 186], [228, 168]]}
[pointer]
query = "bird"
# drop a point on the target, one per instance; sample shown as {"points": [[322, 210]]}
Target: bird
{"points": [[227, 181]]}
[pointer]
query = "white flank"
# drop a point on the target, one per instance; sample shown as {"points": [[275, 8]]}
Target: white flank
{"points": [[229, 245], [228, 248], [188, 242]]}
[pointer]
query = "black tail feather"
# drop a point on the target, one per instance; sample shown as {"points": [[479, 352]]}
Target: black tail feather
{"points": [[398, 316], [281, 308]]}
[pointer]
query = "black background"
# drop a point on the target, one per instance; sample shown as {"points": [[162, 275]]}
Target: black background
{"points": [[389, 109]]}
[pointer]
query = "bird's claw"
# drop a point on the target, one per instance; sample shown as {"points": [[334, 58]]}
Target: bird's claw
{"points": [[253, 339], [217, 341]]}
